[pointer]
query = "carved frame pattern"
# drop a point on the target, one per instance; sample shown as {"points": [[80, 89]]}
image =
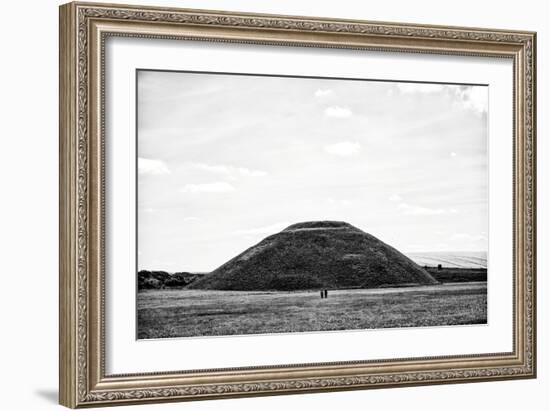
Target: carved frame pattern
{"points": [[79, 385]]}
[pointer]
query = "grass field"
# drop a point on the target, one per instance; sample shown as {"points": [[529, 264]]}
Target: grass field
{"points": [[189, 313]]}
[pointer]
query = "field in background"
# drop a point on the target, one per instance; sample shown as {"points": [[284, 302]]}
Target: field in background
{"points": [[187, 313], [456, 259]]}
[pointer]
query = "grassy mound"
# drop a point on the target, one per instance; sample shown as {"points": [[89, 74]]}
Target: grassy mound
{"points": [[316, 255]]}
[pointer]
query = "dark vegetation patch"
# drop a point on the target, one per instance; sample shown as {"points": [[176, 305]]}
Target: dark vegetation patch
{"points": [[457, 275], [156, 280]]}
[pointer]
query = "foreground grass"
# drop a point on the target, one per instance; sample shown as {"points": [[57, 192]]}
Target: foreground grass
{"points": [[189, 313]]}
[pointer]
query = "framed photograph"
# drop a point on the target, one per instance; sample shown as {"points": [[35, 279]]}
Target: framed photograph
{"points": [[260, 204]]}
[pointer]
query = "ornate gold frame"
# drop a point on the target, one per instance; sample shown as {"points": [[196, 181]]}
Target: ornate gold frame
{"points": [[83, 30]]}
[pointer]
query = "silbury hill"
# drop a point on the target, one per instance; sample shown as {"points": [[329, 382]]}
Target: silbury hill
{"points": [[316, 255]]}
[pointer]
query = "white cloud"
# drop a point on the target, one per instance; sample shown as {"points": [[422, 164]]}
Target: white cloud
{"points": [[230, 171], [474, 98], [216, 187], [408, 209], [269, 229], [453, 154], [323, 92], [339, 202], [395, 197], [343, 149], [419, 87], [338, 112], [191, 219], [152, 167], [212, 168], [250, 173]]}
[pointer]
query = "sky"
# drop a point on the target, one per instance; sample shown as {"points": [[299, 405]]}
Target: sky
{"points": [[226, 160]]}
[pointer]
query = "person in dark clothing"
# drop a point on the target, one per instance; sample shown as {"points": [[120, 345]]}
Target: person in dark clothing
{"points": [[322, 294]]}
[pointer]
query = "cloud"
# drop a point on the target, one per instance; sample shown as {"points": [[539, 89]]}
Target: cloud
{"points": [[323, 92], [419, 87], [395, 197], [339, 202], [230, 171], [408, 209], [216, 187], [250, 173], [191, 219], [338, 112], [474, 98], [148, 166], [269, 229], [211, 168], [343, 149], [453, 154]]}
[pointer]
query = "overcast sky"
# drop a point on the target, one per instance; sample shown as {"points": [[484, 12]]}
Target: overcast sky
{"points": [[226, 160]]}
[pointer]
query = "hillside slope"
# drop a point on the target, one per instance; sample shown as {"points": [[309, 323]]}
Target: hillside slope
{"points": [[316, 255]]}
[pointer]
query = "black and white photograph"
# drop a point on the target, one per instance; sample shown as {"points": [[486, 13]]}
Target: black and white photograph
{"points": [[281, 204]]}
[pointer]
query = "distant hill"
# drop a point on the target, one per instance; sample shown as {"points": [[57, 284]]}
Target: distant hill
{"points": [[316, 255]]}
